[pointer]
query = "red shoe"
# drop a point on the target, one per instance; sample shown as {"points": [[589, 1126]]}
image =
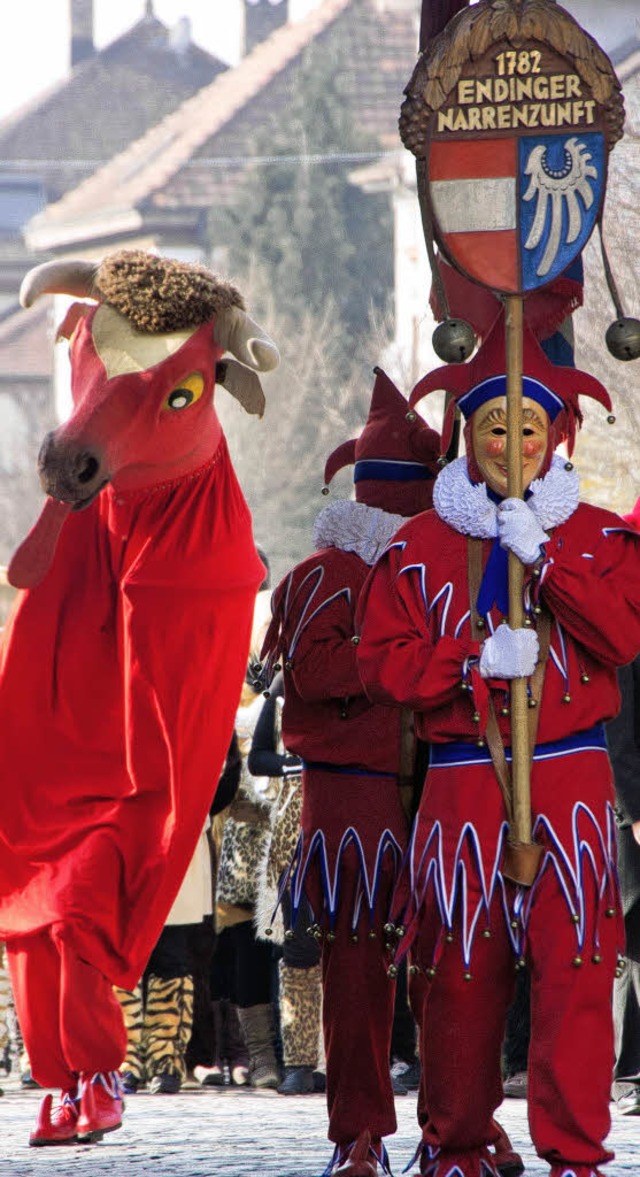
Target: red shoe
{"points": [[507, 1161], [359, 1159], [568, 1170], [101, 1105], [59, 1126], [435, 1163]]}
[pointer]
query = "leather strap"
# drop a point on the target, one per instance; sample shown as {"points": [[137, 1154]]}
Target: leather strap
{"points": [[536, 682]]}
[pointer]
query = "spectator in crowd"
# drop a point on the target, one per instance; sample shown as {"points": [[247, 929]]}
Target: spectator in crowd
{"points": [[300, 987], [243, 966], [159, 1013]]}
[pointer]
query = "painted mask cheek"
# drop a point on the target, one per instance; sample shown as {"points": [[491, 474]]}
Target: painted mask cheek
{"points": [[494, 447]]}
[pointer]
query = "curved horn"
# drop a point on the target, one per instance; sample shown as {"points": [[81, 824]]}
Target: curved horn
{"points": [[72, 276], [236, 332]]}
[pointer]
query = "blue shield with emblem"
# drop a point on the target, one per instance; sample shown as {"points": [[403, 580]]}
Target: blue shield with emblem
{"points": [[561, 187]]}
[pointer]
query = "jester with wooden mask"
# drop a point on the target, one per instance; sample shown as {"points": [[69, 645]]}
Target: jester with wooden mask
{"points": [[431, 639]]}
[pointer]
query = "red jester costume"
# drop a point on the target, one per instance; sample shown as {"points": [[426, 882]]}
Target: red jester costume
{"points": [[354, 828], [432, 640], [121, 669]]}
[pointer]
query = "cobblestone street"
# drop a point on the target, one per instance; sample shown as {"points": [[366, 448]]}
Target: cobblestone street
{"points": [[232, 1133]]}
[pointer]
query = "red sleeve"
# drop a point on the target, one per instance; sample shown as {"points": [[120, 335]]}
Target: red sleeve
{"points": [[400, 660], [593, 589], [319, 631]]}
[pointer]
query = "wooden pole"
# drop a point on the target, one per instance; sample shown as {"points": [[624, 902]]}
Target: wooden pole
{"points": [[520, 769]]}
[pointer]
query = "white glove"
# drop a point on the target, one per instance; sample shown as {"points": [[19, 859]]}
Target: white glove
{"points": [[509, 653], [519, 530]]}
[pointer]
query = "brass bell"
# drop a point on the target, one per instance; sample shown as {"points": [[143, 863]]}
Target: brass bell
{"points": [[532, 702], [288, 934], [389, 930], [454, 341], [449, 937], [399, 931], [331, 937], [623, 338], [467, 977], [392, 972], [411, 416], [584, 678], [442, 462], [372, 935], [577, 961], [568, 467], [487, 934], [610, 912], [268, 931], [325, 490], [566, 698], [596, 958], [431, 972]]}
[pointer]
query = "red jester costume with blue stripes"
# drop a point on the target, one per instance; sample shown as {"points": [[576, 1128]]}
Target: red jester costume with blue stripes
{"points": [[466, 924]]}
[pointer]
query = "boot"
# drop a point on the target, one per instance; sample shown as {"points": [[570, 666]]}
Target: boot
{"points": [[297, 1081], [508, 1162], [132, 1070], [101, 1105], [234, 1046], [59, 1126], [168, 1019], [257, 1026]]}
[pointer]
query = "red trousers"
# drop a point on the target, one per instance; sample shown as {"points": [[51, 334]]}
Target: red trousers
{"points": [[70, 1019], [569, 934], [348, 878], [358, 1001]]}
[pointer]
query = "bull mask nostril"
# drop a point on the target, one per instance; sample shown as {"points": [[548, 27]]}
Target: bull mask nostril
{"points": [[87, 469]]}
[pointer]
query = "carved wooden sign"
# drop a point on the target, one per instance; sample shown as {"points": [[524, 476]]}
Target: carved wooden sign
{"points": [[513, 110]]}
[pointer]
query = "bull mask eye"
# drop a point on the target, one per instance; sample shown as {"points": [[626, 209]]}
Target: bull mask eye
{"points": [[187, 392]]}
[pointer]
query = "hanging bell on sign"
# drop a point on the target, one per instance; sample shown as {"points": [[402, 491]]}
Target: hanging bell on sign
{"points": [[454, 341], [623, 338]]}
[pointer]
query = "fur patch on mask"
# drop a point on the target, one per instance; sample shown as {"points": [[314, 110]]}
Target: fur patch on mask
{"points": [[159, 295]]}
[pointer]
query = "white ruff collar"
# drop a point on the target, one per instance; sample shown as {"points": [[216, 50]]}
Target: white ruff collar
{"points": [[467, 507], [355, 527]]}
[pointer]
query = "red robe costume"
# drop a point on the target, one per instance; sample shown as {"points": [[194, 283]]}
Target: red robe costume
{"points": [[467, 924], [119, 684], [118, 692], [354, 827]]}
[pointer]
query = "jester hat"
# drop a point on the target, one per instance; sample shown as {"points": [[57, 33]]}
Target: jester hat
{"points": [[394, 458], [482, 378]]}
